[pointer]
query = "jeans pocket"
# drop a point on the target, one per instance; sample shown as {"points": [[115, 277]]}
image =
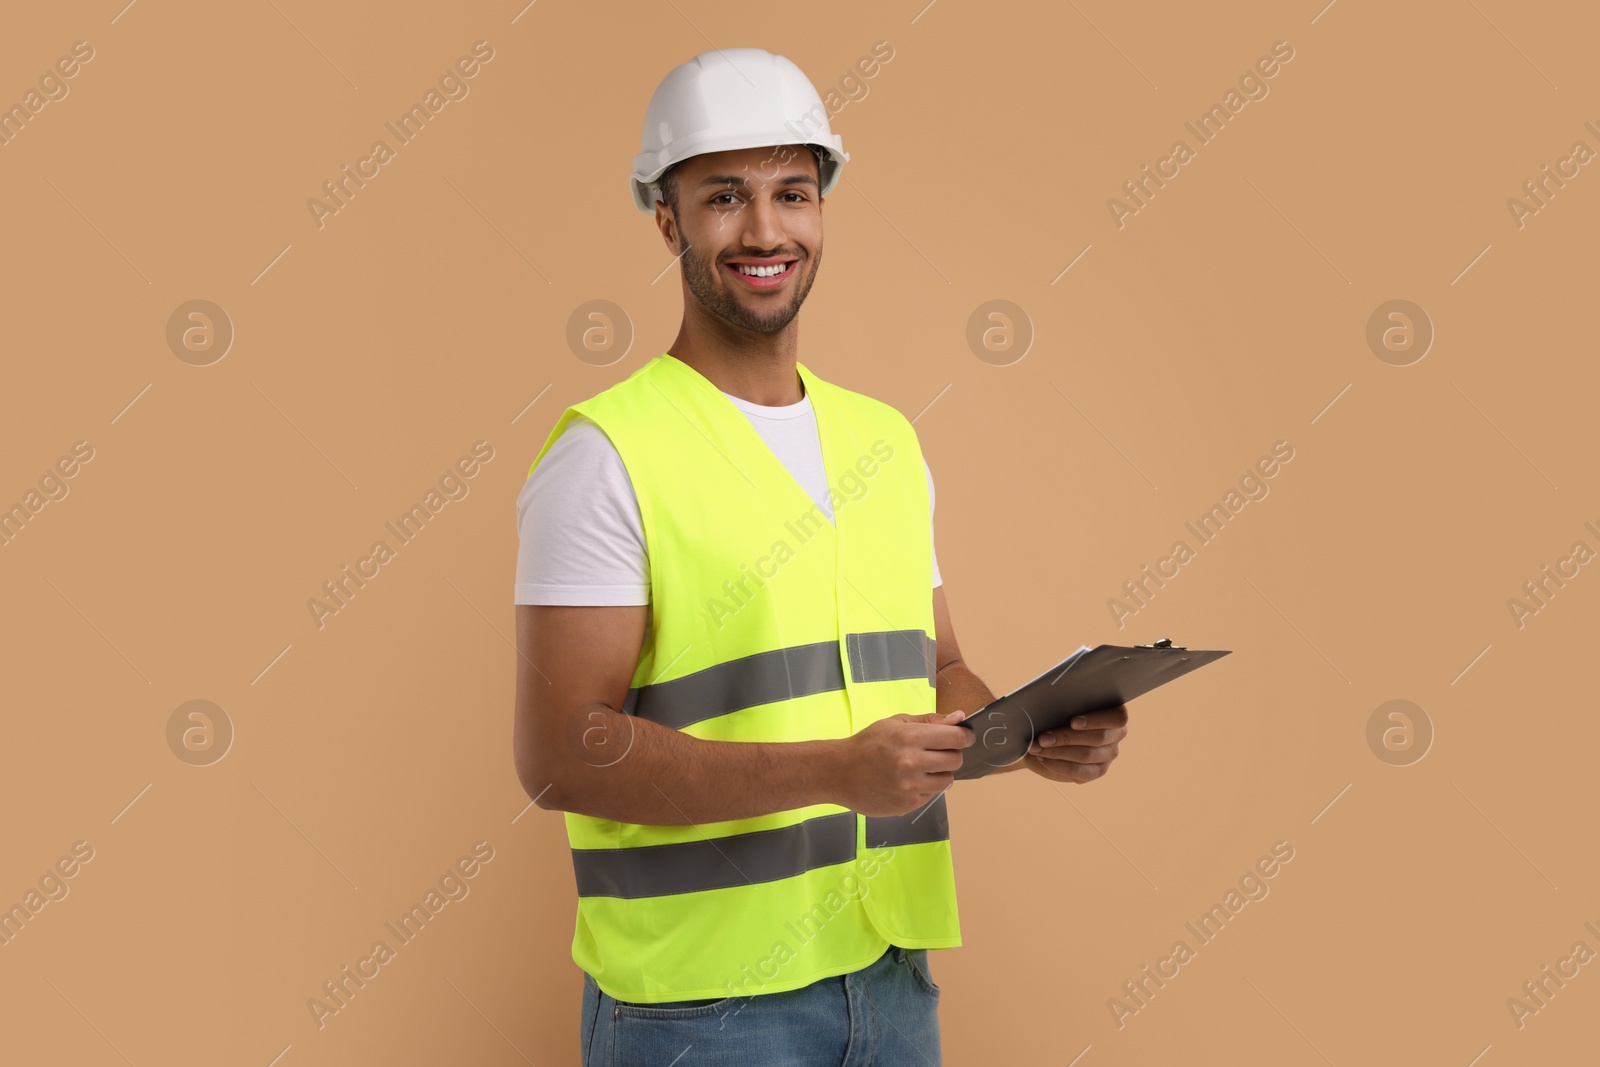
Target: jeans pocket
{"points": [[672, 1009], [917, 960]]}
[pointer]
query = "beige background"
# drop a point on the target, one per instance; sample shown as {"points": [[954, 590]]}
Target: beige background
{"points": [[1228, 314]]}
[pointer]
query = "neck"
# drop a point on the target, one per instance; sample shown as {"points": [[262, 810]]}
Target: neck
{"points": [[759, 368]]}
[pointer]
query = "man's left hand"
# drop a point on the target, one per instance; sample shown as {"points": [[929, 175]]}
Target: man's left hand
{"points": [[1081, 751]]}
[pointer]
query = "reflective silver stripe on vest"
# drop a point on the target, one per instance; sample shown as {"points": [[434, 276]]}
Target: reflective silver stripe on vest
{"points": [[931, 822], [889, 654], [716, 863], [745, 859], [783, 674]]}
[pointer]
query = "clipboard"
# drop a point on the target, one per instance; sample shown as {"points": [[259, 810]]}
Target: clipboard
{"points": [[1091, 679]]}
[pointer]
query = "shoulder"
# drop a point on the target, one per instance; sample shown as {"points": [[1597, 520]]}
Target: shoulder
{"points": [[583, 434], [581, 442], [579, 488], [624, 397], [866, 407], [581, 461]]}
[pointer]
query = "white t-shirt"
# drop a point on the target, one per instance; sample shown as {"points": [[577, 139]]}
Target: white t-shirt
{"points": [[580, 537]]}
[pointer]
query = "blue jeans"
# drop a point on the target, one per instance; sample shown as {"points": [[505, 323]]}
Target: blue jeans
{"points": [[885, 1015]]}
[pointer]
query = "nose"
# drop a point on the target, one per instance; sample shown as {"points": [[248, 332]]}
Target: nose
{"points": [[761, 225]]}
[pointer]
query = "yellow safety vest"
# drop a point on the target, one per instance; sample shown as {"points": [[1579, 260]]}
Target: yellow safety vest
{"points": [[768, 624]]}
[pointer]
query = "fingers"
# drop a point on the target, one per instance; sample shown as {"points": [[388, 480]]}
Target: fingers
{"points": [[1097, 728], [940, 760], [1105, 719], [1075, 753], [1065, 771], [1087, 738], [940, 731], [1083, 750], [933, 716], [932, 746], [942, 737]]}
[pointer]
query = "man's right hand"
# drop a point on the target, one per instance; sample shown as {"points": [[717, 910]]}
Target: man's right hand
{"points": [[900, 763]]}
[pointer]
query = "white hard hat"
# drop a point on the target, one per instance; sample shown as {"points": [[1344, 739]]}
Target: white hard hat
{"points": [[727, 99]]}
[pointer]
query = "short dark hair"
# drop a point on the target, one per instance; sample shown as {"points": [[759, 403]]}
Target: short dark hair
{"points": [[669, 189], [669, 180]]}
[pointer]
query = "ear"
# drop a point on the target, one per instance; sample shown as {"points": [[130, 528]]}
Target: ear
{"points": [[668, 225]]}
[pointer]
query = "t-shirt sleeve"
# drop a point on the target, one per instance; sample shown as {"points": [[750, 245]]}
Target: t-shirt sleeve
{"points": [[937, 581], [580, 539]]}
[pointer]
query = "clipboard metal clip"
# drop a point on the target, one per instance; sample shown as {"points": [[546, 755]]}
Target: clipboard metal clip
{"points": [[1165, 642]]}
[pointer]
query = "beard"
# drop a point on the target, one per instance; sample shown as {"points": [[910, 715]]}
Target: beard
{"points": [[714, 293]]}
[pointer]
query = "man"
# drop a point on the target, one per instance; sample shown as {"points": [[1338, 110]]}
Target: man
{"points": [[732, 676]]}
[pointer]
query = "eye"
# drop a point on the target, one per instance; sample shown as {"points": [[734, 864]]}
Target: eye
{"points": [[719, 196]]}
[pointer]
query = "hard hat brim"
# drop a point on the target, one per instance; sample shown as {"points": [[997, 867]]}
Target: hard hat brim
{"points": [[645, 185]]}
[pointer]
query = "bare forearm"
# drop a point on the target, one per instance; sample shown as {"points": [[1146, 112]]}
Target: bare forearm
{"points": [[632, 770], [960, 688]]}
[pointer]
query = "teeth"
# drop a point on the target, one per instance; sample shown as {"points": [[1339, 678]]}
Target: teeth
{"points": [[761, 272]]}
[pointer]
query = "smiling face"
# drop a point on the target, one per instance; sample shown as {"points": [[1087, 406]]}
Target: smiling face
{"points": [[748, 226]]}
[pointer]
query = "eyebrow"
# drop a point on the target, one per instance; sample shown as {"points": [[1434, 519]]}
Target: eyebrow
{"points": [[735, 179]]}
